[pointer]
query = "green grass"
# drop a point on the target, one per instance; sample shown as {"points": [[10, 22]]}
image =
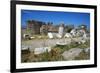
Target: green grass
{"points": [[72, 45]]}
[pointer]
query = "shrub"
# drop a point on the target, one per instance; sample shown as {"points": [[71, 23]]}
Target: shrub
{"points": [[83, 56], [53, 55]]}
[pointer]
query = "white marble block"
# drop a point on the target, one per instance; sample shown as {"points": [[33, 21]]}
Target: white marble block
{"points": [[42, 50]]}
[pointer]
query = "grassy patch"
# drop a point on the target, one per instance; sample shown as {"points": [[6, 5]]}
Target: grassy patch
{"points": [[83, 56], [85, 45], [55, 53]]}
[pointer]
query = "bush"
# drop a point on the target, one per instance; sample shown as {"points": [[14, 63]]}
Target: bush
{"points": [[53, 55], [83, 56]]}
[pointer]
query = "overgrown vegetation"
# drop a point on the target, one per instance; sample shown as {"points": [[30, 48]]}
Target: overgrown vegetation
{"points": [[53, 55], [56, 53], [73, 45], [83, 56]]}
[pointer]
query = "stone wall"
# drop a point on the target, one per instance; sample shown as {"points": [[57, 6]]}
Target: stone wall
{"points": [[39, 27], [33, 27]]}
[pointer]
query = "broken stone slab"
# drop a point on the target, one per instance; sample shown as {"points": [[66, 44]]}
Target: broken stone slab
{"points": [[87, 50], [54, 35], [61, 43], [42, 50], [58, 36], [72, 53], [32, 37], [50, 35], [68, 35], [25, 47]]}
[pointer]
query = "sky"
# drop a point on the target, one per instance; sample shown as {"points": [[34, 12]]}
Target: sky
{"points": [[67, 18]]}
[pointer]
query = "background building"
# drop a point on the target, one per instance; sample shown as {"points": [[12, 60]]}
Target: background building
{"points": [[39, 27], [33, 26]]}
